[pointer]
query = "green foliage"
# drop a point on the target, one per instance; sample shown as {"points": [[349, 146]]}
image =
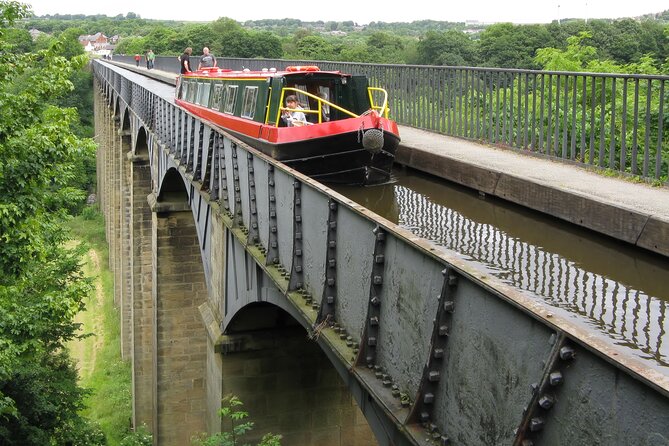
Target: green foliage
{"points": [[141, 437], [447, 48], [239, 428], [41, 282]]}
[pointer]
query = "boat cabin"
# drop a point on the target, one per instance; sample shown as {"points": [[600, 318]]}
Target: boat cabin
{"points": [[260, 95]]}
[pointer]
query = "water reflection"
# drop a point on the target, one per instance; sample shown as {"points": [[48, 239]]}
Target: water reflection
{"points": [[619, 290]]}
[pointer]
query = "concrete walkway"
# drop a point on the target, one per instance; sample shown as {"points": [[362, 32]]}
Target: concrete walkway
{"points": [[636, 213]]}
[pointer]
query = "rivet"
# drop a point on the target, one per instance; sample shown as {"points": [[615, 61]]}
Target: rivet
{"points": [[449, 306], [433, 376], [567, 353], [438, 353], [552, 339], [273, 244], [298, 236], [428, 398], [375, 301], [332, 244], [333, 206], [536, 424], [298, 218], [331, 281], [273, 229], [379, 258], [424, 417], [298, 253], [380, 237], [332, 263], [443, 330], [333, 225], [378, 280], [374, 320], [298, 201], [330, 299], [272, 214], [555, 378], [546, 401], [371, 341], [298, 268]]}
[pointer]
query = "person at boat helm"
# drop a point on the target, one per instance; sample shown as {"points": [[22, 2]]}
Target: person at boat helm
{"points": [[207, 59], [292, 114]]}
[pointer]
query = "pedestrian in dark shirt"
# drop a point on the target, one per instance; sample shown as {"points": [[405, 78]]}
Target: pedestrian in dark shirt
{"points": [[185, 60]]}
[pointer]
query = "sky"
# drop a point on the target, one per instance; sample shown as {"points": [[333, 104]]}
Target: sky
{"points": [[486, 11]]}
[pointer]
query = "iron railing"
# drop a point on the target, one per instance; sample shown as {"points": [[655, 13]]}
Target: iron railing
{"points": [[608, 121]]}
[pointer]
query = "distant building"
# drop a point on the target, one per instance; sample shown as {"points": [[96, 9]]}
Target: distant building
{"points": [[98, 44], [35, 33]]}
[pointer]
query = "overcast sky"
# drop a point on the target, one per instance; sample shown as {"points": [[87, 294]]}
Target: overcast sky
{"points": [[487, 11]]}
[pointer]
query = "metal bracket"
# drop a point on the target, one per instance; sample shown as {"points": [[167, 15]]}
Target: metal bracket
{"points": [[273, 239], [296, 275], [238, 219], [370, 339], [545, 393], [327, 309], [423, 408], [254, 233]]}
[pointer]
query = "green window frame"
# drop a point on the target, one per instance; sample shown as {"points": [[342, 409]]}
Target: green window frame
{"points": [[230, 99], [249, 102]]}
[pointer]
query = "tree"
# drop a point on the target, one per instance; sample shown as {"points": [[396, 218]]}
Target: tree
{"points": [[314, 47], [239, 427], [41, 283], [452, 47], [505, 45]]}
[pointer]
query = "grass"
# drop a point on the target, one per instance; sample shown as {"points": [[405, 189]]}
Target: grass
{"points": [[102, 370]]}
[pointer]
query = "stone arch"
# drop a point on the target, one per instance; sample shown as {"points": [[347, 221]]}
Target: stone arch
{"points": [[287, 382], [125, 126], [172, 188], [141, 144]]}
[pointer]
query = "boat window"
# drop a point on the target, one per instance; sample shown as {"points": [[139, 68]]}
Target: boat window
{"points": [[217, 98], [184, 90], [302, 98], [249, 104], [230, 99], [203, 93], [192, 89]]}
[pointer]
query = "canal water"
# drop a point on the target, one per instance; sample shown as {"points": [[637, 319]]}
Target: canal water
{"points": [[618, 290]]}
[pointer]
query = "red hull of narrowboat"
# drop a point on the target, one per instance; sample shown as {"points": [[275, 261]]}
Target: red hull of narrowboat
{"points": [[355, 151]]}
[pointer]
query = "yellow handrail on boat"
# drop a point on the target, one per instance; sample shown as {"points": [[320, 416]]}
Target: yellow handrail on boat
{"points": [[383, 108], [320, 100]]}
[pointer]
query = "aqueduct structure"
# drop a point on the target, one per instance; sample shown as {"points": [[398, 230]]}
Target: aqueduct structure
{"points": [[234, 274]]}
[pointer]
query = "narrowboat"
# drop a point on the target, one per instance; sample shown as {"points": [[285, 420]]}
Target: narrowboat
{"points": [[341, 132]]}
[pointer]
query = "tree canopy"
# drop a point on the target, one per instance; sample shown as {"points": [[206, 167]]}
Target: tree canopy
{"points": [[41, 283]]}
